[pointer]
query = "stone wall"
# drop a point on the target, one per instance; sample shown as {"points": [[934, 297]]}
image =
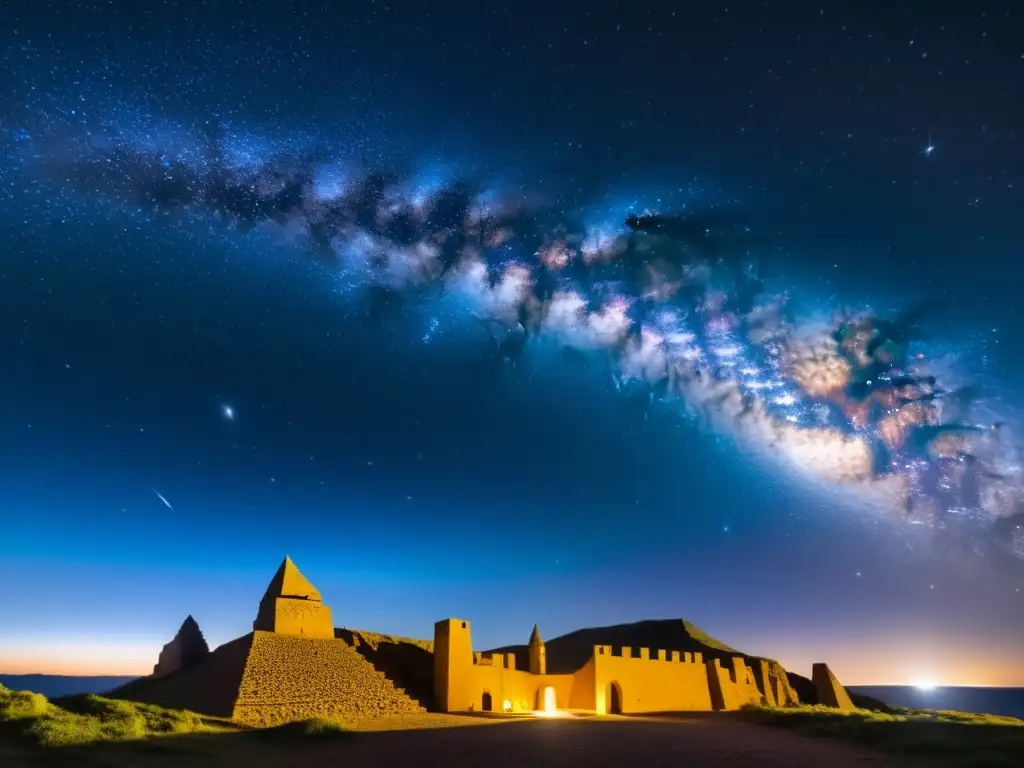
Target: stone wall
{"points": [[293, 678]]}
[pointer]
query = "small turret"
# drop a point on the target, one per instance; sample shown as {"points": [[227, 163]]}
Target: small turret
{"points": [[538, 654]]}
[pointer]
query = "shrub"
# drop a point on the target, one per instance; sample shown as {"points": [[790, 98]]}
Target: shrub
{"points": [[314, 728]]}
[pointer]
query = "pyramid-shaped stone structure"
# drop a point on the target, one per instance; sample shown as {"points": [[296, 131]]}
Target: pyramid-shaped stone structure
{"points": [[831, 692], [187, 648], [293, 606], [268, 676]]}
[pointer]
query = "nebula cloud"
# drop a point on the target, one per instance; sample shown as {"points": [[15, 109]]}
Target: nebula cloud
{"points": [[672, 299]]}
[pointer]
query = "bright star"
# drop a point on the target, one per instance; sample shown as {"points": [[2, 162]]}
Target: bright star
{"points": [[930, 147]]}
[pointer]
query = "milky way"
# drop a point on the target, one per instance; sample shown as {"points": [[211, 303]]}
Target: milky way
{"points": [[678, 311]]}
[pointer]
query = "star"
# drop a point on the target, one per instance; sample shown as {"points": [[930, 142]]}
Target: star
{"points": [[228, 412], [929, 148]]}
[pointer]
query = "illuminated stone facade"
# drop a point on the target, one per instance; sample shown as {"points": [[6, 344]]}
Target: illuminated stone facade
{"points": [[620, 680], [292, 666], [293, 606]]}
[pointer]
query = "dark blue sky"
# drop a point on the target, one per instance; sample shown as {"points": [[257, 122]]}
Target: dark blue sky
{"points": [[408, 475]]}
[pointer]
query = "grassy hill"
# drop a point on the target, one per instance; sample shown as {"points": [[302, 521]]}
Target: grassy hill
{"points": [[934, 737], [31, 718]]}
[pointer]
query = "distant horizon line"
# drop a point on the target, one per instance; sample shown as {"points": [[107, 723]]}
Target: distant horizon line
{"points": [[847, 685]]}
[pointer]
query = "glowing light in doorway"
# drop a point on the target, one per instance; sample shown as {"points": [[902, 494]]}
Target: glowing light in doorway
{"points": [[549, 709]]}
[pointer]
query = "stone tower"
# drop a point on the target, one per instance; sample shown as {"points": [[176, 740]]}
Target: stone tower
{"points": [[293, 606], [538, 654], [188, 647], [453, 665]]}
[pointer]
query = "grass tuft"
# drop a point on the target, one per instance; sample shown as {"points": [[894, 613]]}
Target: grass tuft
{"points": [[945, 737], [314, 728], [19, 705]]}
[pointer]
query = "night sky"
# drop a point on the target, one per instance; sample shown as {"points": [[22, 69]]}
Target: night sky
{"points": [[192, 385]]}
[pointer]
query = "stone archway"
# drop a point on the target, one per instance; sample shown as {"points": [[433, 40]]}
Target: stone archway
{"points": [[486, 704], [613, 699], [547, 701]]}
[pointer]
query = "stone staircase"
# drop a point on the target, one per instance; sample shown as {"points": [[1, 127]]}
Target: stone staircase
{"points": [[288, 678], [414, 703]]}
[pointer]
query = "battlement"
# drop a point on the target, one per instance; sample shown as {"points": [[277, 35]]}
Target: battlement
{"points": [[500, 660], [739, 673], [645, 654], [615, 679]]}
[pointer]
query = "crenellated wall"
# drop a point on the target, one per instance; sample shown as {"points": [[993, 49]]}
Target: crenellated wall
{"points": [[637, 680], [768, 685], [472, 682], [732, 687], [614, 680]]}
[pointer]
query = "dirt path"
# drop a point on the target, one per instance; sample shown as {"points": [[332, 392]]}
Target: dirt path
{"points": [[706, 740], [692, 741]]}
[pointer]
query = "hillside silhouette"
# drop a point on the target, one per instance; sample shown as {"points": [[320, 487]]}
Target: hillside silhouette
{"points": [[569, 652]]}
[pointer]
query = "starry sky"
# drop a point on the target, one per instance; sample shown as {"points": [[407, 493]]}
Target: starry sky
{"points": [[191, 390]]}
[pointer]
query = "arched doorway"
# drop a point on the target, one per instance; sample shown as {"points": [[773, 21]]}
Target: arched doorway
{"points": [[547, 703], [613, 699], [486, 704]]}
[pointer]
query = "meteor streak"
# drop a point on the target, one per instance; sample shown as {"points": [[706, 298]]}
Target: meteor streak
{"points": [[161, 497]]}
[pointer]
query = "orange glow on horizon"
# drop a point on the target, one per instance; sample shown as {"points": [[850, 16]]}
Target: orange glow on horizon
{"points": [[911, 664], [888, 660], [79, 659]]}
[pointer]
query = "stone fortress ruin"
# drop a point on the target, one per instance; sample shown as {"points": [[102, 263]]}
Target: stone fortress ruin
{"points": [[295, 664]]}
